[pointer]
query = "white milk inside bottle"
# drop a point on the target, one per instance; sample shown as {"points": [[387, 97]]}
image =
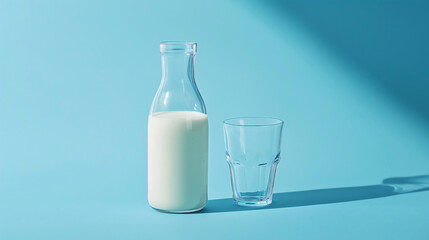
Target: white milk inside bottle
{"points": [[177, 163]]}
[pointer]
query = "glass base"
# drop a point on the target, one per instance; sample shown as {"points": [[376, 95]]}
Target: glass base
{"points": [[253, 202], [183, 211]]}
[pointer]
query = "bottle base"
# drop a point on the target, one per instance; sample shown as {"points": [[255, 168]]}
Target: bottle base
{"points": [[180, 211]]}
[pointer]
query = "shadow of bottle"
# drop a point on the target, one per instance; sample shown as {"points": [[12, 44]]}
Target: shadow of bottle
{"points": [[390, 187]]}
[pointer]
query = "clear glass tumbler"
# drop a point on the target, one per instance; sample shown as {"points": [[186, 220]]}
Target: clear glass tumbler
{"points": [[253, 152]]}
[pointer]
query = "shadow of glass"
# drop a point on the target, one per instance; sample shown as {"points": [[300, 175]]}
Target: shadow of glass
{"points": [[390, 187], [408, 184]]}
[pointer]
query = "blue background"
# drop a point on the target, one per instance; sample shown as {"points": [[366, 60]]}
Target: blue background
{"points": [[350, 78]]}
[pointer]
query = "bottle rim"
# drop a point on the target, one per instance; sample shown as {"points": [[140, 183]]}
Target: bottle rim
{"points": [[178, 47]]}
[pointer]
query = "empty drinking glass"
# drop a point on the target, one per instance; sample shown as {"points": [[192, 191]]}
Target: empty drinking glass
{"points": [[252, 152]]}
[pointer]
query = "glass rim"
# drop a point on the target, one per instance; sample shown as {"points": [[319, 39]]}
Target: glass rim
{"points": [[275, 121]]}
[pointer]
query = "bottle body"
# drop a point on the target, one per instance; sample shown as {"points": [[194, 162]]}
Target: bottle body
{"points": [[178, 151], [177, 139]]}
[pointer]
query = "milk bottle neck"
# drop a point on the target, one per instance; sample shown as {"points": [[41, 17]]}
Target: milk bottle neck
{"points": [[177, 68], [178, 90]]}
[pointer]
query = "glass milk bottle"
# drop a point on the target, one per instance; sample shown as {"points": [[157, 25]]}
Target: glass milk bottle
{"points": [[177, 135]]}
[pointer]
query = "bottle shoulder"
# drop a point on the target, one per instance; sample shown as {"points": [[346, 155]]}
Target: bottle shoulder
{"points": [[184, 98]]}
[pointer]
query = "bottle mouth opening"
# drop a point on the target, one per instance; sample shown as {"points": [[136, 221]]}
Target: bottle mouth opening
{"points": [[178, 47]]}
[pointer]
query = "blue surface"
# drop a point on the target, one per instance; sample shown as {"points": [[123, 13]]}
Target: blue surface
{"points": [[350, 79]]}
